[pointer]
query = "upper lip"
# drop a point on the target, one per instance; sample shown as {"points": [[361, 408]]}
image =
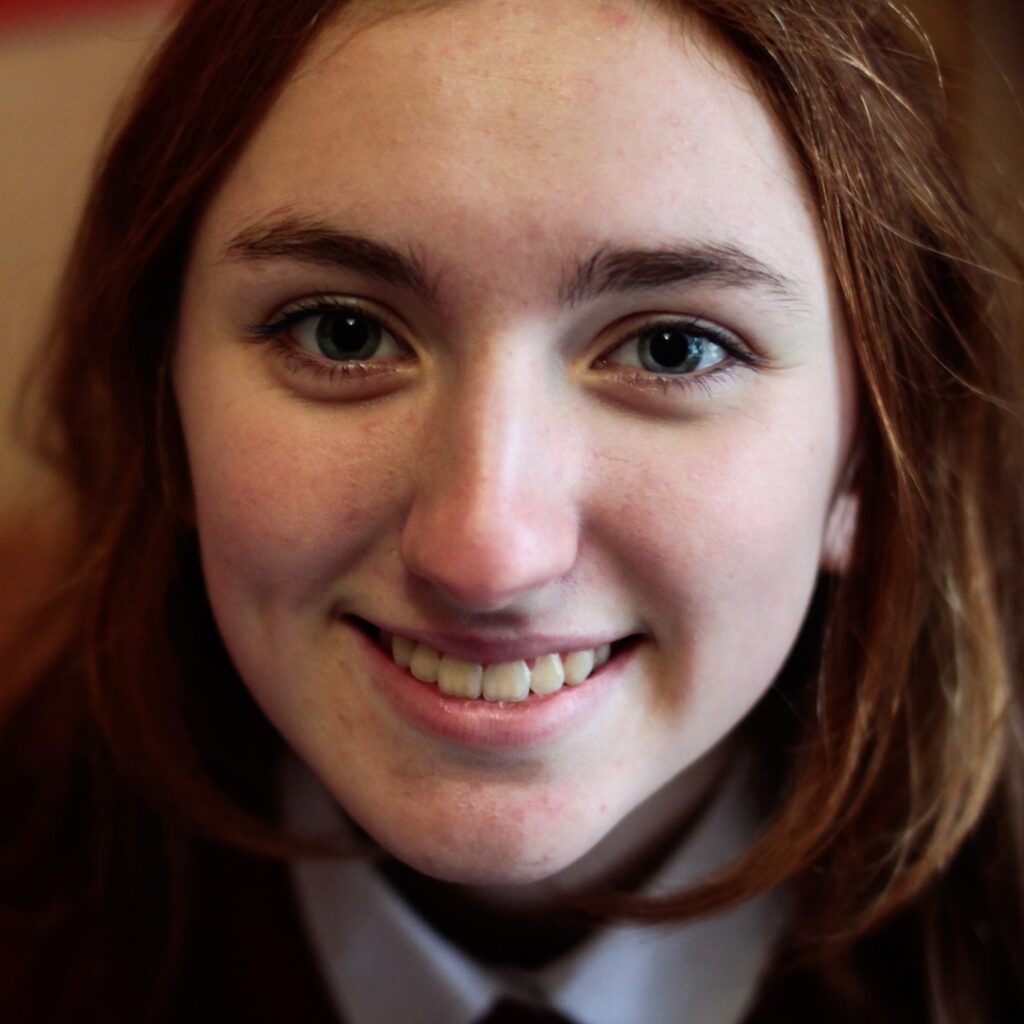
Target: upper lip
{"points": [[493, 650]]}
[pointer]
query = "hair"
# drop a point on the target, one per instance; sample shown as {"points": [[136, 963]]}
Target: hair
{"points": [[896, 732]]}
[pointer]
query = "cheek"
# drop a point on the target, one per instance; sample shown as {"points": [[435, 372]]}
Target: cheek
{"points": [[725, 546], [745, 510], [287, 495]]}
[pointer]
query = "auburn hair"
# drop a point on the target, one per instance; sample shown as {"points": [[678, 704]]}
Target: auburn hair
{"points": [[895, 733]]}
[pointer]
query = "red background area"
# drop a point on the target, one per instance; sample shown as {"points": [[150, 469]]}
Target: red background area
{"points": [[22, 11]]}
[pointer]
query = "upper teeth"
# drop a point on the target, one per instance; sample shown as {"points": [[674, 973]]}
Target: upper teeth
{"points": [[510, 680]]}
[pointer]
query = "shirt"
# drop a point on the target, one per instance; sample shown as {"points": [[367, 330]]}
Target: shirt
{"points": [[383, 964]]}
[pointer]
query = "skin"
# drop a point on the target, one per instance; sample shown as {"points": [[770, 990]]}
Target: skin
{"points": [[503, 470]]}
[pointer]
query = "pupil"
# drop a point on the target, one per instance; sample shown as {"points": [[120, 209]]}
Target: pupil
{"points": [[671, 349], [347, 335]]}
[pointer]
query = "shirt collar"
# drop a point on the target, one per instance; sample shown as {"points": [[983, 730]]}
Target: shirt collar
{"points": [[383, 964]]}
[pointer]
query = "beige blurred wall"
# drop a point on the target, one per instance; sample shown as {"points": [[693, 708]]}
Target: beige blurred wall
{"points": [[58, 85]]}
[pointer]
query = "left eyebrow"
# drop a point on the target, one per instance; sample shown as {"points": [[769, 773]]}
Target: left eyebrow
{"points": [[308, 240], [626, 270]]}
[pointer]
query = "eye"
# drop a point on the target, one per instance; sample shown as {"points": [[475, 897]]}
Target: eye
{"points": [[333, 330], [674, 348], [342, 334]]}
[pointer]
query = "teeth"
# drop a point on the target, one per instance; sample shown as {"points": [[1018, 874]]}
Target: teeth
{"points": [[401, 651], [425, 663], [460, 678], [578, 666], [547, 675], [508, 681]]}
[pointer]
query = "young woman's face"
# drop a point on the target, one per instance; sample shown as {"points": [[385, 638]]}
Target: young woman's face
{"points": [[511, 334]]}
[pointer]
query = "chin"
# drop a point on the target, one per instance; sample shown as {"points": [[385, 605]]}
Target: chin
{"points": [[489, 854], [484, 873]]}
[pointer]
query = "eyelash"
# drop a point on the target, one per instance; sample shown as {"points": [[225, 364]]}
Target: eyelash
{"points": [[298, 360], [276, 331], [737, 357]]}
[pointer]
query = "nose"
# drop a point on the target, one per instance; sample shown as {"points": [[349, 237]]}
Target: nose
{"points": [[494, 515]]}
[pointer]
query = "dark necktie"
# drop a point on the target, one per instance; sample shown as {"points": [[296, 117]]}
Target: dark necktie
{"points": [[510, 1011]]}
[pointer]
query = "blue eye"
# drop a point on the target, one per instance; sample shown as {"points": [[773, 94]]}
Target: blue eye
{"points": [[672, 349]]}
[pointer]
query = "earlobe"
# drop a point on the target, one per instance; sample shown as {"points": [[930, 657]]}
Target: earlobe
{"points": [[840, 529]]}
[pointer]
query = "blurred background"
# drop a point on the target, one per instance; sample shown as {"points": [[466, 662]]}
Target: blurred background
{"points": [[65, 63]]}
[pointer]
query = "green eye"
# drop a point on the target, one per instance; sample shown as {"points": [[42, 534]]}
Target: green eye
{"points": [[345, 335], [337, 331]]}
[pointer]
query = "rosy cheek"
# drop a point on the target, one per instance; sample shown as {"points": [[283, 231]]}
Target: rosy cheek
{"points": [[716, 520], [287, 495]]}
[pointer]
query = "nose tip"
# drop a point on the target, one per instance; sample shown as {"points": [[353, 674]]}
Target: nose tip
{"points": [[485, 558]]}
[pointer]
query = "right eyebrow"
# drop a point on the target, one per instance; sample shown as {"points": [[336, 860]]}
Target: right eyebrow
{"points": [[624, 270], [312, 241]]}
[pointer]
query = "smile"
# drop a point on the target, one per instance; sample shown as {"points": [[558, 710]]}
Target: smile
{"points": [[504, 681], [489, 692]]}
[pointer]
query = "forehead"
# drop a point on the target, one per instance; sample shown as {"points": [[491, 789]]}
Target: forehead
{"points": [[578, 119]]}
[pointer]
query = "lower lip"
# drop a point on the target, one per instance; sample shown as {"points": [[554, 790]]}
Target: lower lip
{"points": [[505, 725]]}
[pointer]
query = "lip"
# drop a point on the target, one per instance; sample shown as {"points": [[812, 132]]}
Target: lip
{"points": [[482, 724]]}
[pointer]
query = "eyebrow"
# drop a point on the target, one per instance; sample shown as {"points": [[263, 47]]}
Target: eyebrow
{"points": [[311, 241], [607, 270], [627, 270]]}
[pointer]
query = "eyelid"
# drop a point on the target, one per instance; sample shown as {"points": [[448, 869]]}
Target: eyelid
{"points": [[318, 376], [297, 310], [729, 341]]}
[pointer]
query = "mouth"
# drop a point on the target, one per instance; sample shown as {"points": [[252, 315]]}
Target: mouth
{"points": [[506, 681]]}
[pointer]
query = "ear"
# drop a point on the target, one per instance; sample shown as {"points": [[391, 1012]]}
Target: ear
{"points": [[840, 529]]}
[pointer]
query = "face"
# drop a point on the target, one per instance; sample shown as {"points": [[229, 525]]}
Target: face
{"points": [[510, 336]]}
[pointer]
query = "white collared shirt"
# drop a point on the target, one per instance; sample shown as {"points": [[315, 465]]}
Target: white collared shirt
{"points": [[383, 964]]}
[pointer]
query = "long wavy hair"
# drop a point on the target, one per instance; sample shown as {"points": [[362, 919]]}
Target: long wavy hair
{"points": [[896, 734]]}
